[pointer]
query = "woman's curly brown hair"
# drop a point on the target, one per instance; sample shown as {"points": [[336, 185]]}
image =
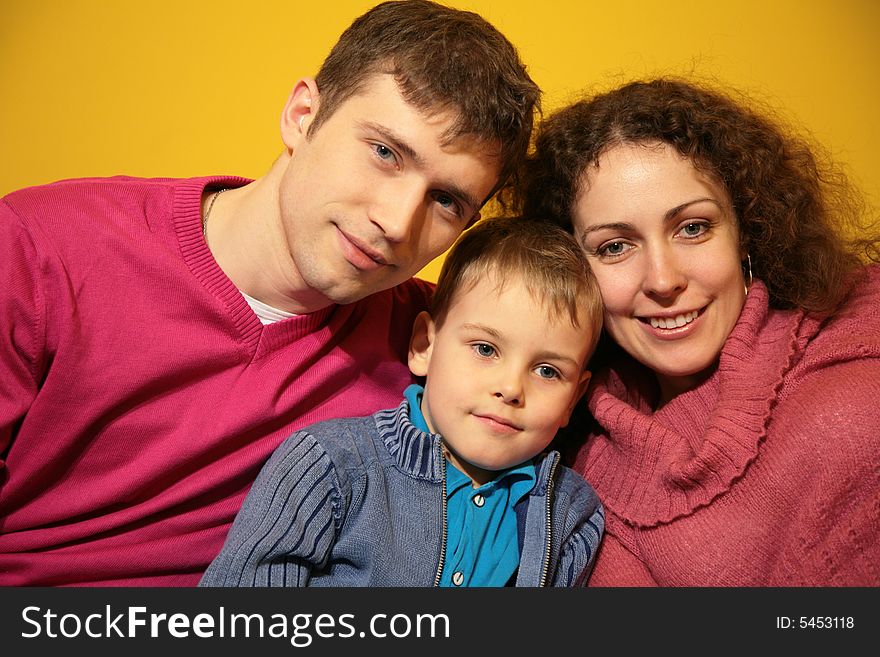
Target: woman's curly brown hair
{"points": [[797, 216]]}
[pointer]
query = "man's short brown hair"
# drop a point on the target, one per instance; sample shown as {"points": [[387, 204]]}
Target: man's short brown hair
{"points": [[442, 59]]}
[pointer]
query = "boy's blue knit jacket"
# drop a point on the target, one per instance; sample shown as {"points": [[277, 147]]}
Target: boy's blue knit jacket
{"points": [[361, 502]]}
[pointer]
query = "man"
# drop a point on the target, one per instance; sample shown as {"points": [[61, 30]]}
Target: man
{"points": [[161, 337]]}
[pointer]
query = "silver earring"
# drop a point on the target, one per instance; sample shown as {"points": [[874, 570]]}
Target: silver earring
{"points": [[747, 283]]}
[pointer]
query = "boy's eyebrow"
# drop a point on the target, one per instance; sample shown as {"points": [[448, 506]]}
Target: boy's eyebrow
{"points": [[401, 145], [481, 327], [552, 355]]}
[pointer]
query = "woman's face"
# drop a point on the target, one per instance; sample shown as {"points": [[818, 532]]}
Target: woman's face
{"points": [[663, 242]]}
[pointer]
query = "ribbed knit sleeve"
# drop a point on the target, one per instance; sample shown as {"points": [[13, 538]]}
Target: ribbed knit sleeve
{"points": [[578, 552], [288, 523]]}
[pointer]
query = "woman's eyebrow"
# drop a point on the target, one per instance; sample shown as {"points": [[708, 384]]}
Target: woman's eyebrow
{"points": [[671, 213], [617, 225]]}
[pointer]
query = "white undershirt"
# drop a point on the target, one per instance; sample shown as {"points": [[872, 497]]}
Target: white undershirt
{"points": [[266, 313]]}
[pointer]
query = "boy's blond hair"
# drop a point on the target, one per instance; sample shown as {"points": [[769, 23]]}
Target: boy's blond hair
{"points": [[544, 257]]}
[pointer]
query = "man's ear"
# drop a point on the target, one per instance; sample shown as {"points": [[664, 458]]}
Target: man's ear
{"points": [[420, 344], [581, 389], [299, 112]]}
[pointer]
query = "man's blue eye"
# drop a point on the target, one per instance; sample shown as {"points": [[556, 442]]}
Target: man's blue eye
{"points": [[448, 202], [384, 152]]}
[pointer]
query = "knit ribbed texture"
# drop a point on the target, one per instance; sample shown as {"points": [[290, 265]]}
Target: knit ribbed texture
{"points": [[764, 474], [140, 395], [359, 502]]}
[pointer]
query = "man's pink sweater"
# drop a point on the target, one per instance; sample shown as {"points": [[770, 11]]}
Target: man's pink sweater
{"points": [[767, 474], [140, 395]]}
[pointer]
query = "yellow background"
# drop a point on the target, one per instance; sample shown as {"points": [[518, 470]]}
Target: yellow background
{"points": [[195, 87]]}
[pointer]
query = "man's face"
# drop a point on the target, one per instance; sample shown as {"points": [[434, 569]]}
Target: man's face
{"points": [[374, 194]]}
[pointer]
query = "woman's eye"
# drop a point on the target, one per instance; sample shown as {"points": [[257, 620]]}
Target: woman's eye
{"points": [[693, 229], [612, 249], [547, 372], [484, 350]]}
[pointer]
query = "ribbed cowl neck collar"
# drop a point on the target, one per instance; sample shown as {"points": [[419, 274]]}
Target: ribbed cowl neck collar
{"points": [[651, 467]]}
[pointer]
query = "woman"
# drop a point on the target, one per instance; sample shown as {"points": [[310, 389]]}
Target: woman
{"points": [[735, 439]]}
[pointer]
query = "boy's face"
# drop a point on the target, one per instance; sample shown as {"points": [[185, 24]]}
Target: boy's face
{"points": [[375, 192], [503, 375]]}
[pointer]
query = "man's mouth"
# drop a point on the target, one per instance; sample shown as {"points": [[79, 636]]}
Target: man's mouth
{"points": [[359, 253]]}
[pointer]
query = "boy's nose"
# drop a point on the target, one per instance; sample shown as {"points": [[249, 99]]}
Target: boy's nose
{"points": [[510, 392]]}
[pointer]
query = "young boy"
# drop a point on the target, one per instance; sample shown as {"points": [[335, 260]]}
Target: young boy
{"points": [[453, 487]]}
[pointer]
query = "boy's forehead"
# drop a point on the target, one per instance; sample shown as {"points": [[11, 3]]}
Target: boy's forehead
{"points": [[495, 283], [473, 304]]}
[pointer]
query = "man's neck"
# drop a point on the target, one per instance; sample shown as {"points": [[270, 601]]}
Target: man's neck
{"points": [[246, 238]]}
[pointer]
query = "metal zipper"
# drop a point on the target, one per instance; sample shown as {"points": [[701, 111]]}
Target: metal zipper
{"points": [[443, 534], [546, 566]]}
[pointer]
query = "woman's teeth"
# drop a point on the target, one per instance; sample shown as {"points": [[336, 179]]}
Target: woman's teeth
{"points": [[674, 322]]}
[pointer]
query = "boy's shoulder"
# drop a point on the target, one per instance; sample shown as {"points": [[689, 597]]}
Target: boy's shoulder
{"points": [[340, 436], [576, 489]]}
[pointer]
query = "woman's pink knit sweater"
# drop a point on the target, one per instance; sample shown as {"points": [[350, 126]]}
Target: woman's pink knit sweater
{"points": [[766, 474]]}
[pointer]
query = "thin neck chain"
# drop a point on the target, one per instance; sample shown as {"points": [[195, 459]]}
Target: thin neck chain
{"points": [[208, 211]]}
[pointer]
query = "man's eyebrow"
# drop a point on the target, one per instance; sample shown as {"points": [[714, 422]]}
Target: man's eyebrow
{"points": [[394, 140], [400, 144]]}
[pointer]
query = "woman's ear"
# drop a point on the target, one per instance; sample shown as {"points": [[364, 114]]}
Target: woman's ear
{"points": [[420, 344], [299, 112]]}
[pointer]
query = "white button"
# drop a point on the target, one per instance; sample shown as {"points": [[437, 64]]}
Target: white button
{"points": [[479, 500], [457, 578]]}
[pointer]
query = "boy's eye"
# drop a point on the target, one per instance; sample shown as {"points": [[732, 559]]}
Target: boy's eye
{"points": [[483, 349], [547, 372]]}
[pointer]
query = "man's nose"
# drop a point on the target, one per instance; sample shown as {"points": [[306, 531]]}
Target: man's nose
{"points": [[401, 212]]}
